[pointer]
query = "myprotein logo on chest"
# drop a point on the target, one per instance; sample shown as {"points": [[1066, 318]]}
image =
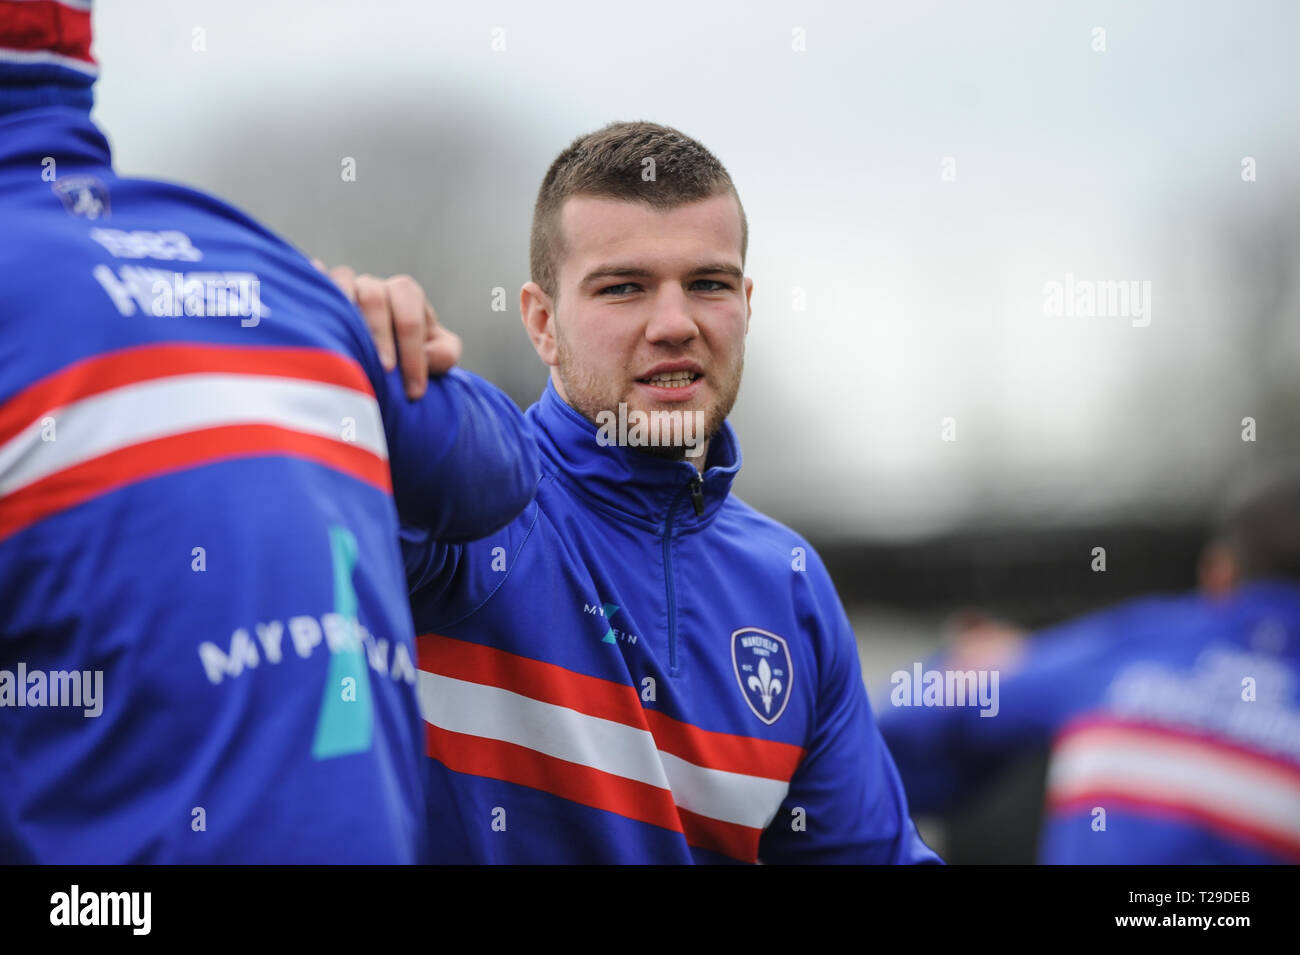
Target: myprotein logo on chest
{"points": [[606, 612], [763, 670]]}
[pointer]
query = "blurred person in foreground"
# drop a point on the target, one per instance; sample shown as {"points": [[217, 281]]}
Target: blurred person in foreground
{"points": [[1173, 722], [206, 651], [641, 667]]}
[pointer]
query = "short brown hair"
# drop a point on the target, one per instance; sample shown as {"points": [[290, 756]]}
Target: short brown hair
{"points": [[609, 163]]}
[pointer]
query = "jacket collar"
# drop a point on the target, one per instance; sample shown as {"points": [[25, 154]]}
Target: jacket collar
{"points": [[64, 132], [47, 58], [637, 486], [1283, 596]]}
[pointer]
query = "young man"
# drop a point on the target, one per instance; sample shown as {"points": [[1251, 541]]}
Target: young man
{"points": [[206, 651], [1173, 721], [641, 667]]}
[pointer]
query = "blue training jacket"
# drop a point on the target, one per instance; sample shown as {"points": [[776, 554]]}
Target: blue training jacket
{"points": [[199, 557], [642, 668], [1173, 725]]}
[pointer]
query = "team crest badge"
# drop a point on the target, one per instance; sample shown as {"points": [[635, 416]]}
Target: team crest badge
{"points": [[83, 196], [762, 664]]}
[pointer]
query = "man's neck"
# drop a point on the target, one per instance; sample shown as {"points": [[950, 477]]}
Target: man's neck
{"points": [[700, 458]]}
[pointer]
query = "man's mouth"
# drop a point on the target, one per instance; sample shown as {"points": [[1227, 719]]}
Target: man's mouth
{"points": [[671, 379]]}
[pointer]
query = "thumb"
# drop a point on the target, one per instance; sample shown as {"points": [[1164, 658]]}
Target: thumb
{"points": [[443, 352]]}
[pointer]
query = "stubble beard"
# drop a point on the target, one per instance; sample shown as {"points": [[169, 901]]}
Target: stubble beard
{"points": [[589, 397]]}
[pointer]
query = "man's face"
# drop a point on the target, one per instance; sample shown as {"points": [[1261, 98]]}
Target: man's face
{"points": [[652, 308]]}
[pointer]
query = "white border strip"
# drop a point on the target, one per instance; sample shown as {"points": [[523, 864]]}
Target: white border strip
{"points": [[48, 57], [179, 404], [476, 709]]}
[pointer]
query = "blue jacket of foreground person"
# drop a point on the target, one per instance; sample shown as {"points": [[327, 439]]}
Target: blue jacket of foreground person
{"points": [[206, 651], [1173, 724], [642, 668]]}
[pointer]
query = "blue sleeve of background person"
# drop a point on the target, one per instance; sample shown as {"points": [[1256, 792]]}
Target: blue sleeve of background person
{"points": [[946, 754], [853, 805]]}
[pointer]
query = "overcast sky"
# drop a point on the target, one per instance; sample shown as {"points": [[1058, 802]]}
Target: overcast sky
{"points": [[924, 295]]}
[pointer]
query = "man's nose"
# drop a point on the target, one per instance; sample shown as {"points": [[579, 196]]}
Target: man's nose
{"points": [[671, 322]]}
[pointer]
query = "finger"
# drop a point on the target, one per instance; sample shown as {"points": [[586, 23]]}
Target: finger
{"points": [[443, 352], [318, 265], [346, 280], [431, 319], [410, 321], [372, 301]]}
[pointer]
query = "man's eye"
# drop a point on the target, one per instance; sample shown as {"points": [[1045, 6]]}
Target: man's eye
{"points": [[717, 286], [623, 289]]}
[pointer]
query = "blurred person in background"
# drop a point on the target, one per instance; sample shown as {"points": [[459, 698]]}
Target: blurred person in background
{"points": [[1173, 722], [206, 651], [641, 667]]}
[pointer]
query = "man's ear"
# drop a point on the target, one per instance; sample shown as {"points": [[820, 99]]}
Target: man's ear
{"points": [[538, 314], [749, 309]]}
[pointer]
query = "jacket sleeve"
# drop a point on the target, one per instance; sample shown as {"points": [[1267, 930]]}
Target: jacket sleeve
{"points": [[463, 460], [462, 457], [846, 802], [947, 754]]}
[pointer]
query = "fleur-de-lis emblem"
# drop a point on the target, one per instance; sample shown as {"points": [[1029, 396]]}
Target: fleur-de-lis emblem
{"points": [[83, 196], [87, 204], [764, 673], [766, 686]]}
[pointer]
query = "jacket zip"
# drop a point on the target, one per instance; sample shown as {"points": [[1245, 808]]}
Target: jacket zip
{"points": [[697, 494], [696, 486]]}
